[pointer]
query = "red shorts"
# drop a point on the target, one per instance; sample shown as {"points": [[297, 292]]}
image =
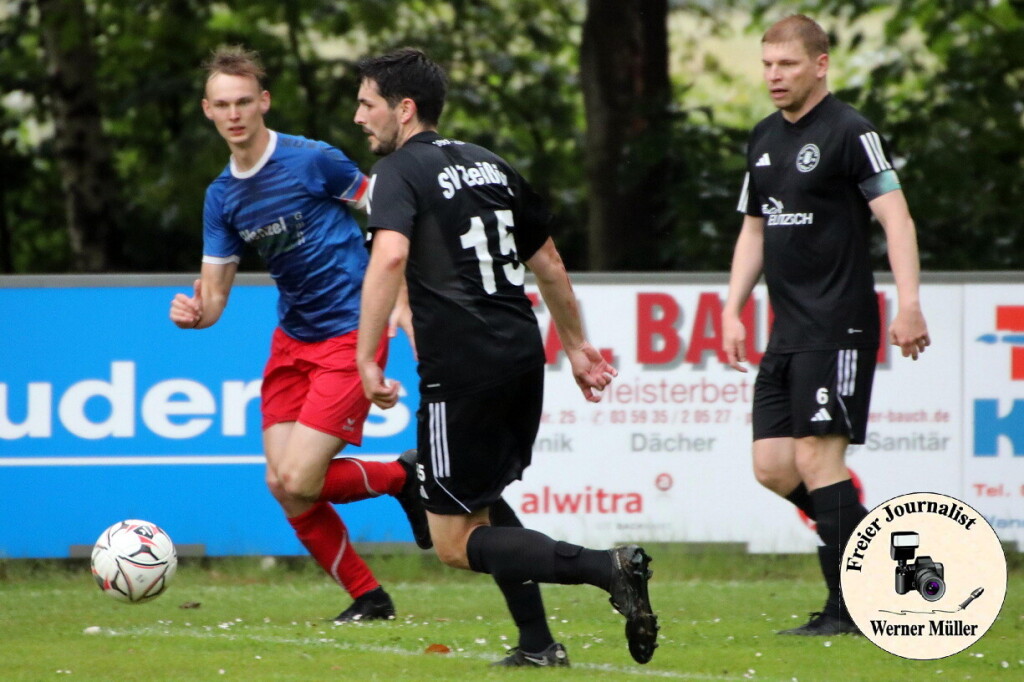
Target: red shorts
{"points": [[317, 384]]}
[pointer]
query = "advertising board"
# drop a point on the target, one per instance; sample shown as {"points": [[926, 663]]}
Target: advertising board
{"points": [[108, 411]]}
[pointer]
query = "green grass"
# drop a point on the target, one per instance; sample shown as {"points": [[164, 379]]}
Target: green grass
{"points": [[718, 611]]}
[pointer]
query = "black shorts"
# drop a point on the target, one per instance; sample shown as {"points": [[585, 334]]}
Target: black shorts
{"points": [[472, 446], [814, 393]]}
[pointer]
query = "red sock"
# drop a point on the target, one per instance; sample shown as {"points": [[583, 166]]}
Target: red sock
{"points": [[323, 533], [350, 480]]}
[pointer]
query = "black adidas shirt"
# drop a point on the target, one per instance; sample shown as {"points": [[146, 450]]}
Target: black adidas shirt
{"points": [[811, 181], [472, 221]]}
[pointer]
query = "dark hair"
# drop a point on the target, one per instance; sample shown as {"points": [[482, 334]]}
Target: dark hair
{"points": [[235, 60], [801, 29], [408, 72]]}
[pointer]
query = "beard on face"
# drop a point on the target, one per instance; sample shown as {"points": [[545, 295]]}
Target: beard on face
{"points": [[384, 147], [387, 141]]}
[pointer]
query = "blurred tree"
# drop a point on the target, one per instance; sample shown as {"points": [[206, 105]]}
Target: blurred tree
{"points": [[657, 185], [629, 146], [513, 91], [82, 149]]}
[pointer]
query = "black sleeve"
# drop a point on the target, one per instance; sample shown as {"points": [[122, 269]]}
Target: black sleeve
{"points": [[533, 221], [392, 199]]}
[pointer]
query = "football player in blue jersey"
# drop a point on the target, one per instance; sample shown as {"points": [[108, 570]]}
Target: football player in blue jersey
{"points": [[289, 197]]}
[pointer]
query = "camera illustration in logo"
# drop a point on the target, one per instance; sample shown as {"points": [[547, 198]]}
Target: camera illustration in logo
{"points": [[923, 575]]}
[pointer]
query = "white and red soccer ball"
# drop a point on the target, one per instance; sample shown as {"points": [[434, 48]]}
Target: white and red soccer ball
{"points": [[133, 561]]}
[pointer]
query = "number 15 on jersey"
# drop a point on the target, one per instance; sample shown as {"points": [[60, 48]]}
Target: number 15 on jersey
{"points": [[477, 240]]}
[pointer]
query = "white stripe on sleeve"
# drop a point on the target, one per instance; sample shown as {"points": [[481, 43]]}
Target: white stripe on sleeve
{"points": [[873, 146], [219, 260], [742, 205]]}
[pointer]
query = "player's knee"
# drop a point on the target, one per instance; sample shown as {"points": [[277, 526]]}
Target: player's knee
{"points": [[811, 464], [773, 478], [275, 487], [297, 487]]}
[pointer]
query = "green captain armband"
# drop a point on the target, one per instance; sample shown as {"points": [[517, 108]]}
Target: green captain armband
{"points": [[879, 184]]}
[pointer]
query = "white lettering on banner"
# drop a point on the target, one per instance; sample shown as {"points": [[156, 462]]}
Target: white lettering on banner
{"points": [[38, 423], [119, 394], [157, 406], [237, 395], [387, 423], [165, 408]]}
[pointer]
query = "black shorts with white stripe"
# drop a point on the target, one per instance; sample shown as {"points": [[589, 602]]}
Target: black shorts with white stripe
{"points": [[814, 393], [472, 446]]}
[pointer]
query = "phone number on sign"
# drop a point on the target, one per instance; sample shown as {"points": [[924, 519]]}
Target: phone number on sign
{"points": [[600, 417]]}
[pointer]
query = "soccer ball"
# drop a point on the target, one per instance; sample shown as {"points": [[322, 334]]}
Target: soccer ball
{"points": [[133, 561]]}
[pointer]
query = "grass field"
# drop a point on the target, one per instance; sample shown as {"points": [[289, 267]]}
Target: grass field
{"points": [[718, 612]]}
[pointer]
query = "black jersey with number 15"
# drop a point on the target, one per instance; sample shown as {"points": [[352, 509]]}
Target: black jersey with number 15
{"points": [[472, 221], [811, 181]]}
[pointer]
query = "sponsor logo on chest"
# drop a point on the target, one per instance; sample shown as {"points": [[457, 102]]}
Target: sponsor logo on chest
{"points": [[775, 214], [285, 229]]}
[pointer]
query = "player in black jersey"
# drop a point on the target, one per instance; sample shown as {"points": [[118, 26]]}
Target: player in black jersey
{"points": [[816, 172], [463, 225]]}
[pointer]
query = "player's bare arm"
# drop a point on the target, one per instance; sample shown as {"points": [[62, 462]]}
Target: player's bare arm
{"points": [[747, 260], [908, 330], [401, 317], [590, 369], [209, 297], [384, 277]]}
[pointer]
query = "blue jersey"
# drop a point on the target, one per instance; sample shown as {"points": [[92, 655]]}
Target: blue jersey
{"points": [[289, 206]]}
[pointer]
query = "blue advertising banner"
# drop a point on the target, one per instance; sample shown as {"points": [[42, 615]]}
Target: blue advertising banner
{"points": [[108, 411]]}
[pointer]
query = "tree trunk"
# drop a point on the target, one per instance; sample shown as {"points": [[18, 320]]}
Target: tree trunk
{"points": [[626, 93], [83, 151]]}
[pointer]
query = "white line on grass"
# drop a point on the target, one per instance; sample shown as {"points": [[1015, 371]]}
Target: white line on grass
{"points": [[160, 631]]}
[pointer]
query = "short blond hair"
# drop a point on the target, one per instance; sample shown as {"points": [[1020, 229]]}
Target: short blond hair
{"points": [[235, 60], [799, 28]]}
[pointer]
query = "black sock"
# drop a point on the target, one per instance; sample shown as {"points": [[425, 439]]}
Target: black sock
{"points": [[503, 515], [838, 511], [520, 555], [828, 559], [523, 599], [802, 500]]}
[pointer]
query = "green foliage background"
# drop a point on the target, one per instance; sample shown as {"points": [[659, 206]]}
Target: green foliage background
{"points": [[951, 105]]}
